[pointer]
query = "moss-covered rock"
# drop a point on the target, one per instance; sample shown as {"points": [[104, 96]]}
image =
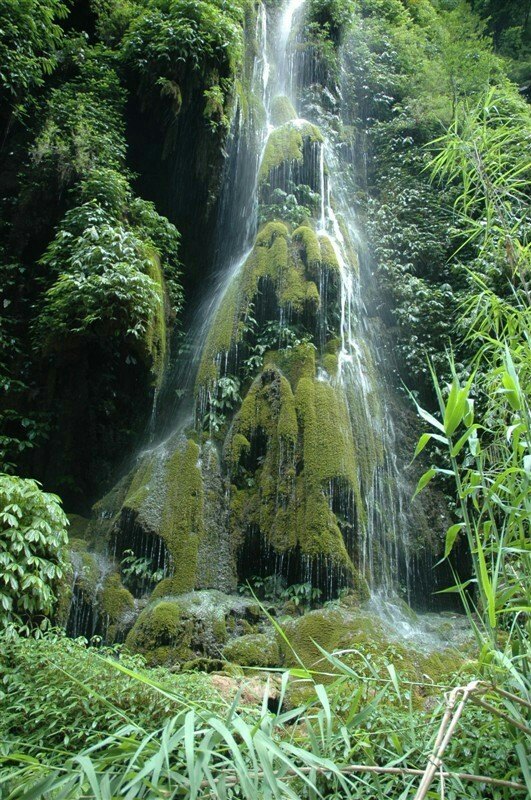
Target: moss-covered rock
{"points": [[116, 601], [282, 110], [253, 650], [195, 625], [285, 145], [161, 635], [293, 266]]}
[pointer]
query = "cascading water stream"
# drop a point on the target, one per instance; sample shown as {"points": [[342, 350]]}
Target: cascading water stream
{"points": [[386, 532]]}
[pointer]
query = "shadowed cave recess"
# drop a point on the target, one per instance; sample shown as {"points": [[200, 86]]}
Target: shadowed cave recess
{"points": [[287, 454]]}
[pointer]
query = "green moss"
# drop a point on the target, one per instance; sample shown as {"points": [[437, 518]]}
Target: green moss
{"points": [[311, 251], [138, 490], [161, 634], [322, 627], [294, 510], [294, 362], [287, 425], [115, 601], [289, 264], [156, 333], [328, 254], [329, 362], [182, 526], [253, 650], [282, 110], [165, 588], [219, 629], [239, 444], [285, 144], [115, 598]]}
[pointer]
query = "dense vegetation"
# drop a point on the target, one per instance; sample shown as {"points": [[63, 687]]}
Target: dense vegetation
{"points": [[110, 109]]}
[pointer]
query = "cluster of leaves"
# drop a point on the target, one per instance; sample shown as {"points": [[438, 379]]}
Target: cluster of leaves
{"points": [[510, 23], [103, 288], [295, 207], [483, 429], [32, 552], [83, 126], [182, 41], [303, 596], [97, 285], [30, 37], [60, 680], [20, 428], [136, 570], [222, 401]]}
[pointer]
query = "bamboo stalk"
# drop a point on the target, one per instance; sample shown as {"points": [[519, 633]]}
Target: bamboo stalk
{"points": [[497, 712], [445, 733], [510, 696]]}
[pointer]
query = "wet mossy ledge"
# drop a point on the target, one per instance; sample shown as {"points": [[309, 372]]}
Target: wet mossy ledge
{"points": [[293, 264], [210, 631]]}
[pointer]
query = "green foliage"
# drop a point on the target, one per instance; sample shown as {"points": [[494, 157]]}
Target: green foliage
{"points": [[32, 552], [30, 38], [83, 126], [411, 69], [21, 429], [486, 440], [134, 569], [162, 730], [80, 695], [486, 150], [302, 595], [103, 288], [201, 40]]}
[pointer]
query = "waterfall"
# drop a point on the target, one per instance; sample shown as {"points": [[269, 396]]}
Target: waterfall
{"points": [[281, 455]]}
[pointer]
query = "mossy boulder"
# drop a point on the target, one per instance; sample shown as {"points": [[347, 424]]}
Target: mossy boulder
{"points": [[195, 625], [253, 650], [282, 110], [363, 636], [161, 635]]}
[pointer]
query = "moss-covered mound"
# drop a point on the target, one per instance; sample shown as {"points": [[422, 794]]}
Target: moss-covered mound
{"points": [[363, 637], [193, 627], [253, 650], [293, 266], [160, 634], [286, 143]]}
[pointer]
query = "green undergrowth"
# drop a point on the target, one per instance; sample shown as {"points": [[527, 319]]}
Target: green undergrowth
{"points": [[177, 731], [58, 694]]}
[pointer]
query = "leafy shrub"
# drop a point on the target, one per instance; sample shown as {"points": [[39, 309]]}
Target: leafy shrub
{"points": [[83, 124], [29, 41], [103, 288], [165, 238], [108, 188], [32, 541], [79, 695]]}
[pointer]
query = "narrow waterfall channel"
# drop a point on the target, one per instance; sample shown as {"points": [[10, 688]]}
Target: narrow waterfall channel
{"points": [[280, 461]]}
